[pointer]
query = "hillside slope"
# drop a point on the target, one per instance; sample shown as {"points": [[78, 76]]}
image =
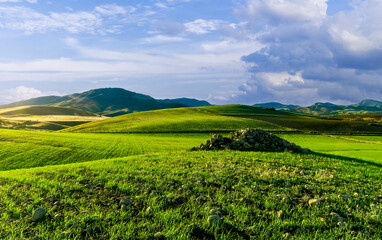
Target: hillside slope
{"points": [[364, 107], [224, 118], [43, 110], [201, 119], [103, 101], [44, 118], [196, 195]]}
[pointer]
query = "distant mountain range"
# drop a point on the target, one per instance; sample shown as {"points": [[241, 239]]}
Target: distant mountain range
{"points": [[276, 105], [366, 106], [118, 101], [189, 102], [109, 102]]}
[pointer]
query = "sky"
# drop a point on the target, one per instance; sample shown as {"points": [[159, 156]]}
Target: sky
{"points": [[223, 51]]}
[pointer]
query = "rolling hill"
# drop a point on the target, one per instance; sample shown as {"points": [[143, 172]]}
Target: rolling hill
{"points": [[366, 106], [109, 102], [43, 110], [47, 118], [224, 118], [201, 119]]}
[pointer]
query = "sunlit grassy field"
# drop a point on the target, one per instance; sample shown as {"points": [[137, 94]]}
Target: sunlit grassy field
{"points": [[81, 178], [198, 195], [172, 120], [25, 149], [368, 150]]}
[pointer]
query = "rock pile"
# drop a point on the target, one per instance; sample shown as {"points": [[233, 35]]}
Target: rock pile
{"points": [[250, 139]]}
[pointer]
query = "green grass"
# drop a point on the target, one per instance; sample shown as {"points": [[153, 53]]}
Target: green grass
{"points": [[44, 110], [173, 120], [224, 118], [174, 194], [24, 149], [340, 147], [371, 139]]}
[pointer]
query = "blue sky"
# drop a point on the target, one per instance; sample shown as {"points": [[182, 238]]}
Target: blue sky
{"points": [[224, 51]]}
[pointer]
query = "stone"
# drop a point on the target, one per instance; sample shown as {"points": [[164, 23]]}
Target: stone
{"points": [[215, 212], [215, 220], [38, 214], [250, 140], [125, 201], [305, 150], [89, 229], [287, 200], [124, 208]]}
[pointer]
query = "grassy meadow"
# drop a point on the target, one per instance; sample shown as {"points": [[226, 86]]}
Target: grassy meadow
{"points": [[44, 118], [81, 174]]}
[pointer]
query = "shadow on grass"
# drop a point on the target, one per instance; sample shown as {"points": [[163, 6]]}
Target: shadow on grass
{"points": [[347, 159]]}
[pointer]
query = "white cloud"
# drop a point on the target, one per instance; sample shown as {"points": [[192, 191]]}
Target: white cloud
{"points": [[162, 39], [281, 79], [161, 5], [202, 26], [274, 12], [22, 93], [110, 9], [100, 20], [309, 56]]}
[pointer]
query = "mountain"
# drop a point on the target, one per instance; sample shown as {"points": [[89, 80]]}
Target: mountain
{"points": [[366, 106], [370, 103], [276, 105], [189, 102], [103, 101]]}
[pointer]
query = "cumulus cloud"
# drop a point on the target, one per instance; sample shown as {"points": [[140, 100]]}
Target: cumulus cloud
{"points": [[201, 26], [309, 56], [22, 93]]}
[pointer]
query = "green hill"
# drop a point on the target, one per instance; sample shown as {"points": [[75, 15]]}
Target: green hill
{"points": [[43, 110], [189, 102], [364, 107], [224, 118], [202, 119], [44, 118], [104, 101]]}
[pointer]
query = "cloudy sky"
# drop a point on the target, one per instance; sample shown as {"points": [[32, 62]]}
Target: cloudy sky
{"points": [[224, 51]]}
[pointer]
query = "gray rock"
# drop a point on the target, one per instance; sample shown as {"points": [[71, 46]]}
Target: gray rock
{"points": [[89, 229], [125, 201], [38, 214], [124, 208], [215, 220]]}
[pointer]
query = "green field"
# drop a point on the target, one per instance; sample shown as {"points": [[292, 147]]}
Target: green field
{"points": [[341, 146], [44, 118], [173, 120], [223, 118], [25, 149], [80, 179], [212, 195]]}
